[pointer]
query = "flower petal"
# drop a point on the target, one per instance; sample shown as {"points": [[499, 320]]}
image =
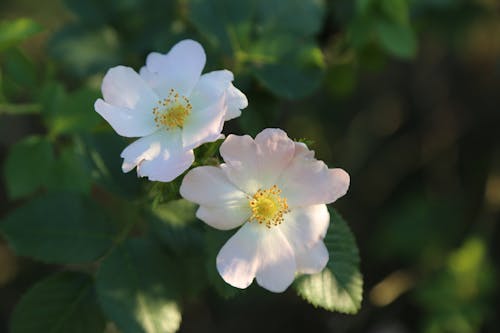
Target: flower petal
{"points": [[180, 68], [307, 181], [312, 260], [210, 88], [159, 157], [222, 205], [255, 251], [123, 87], [224, 218], [277, 265], [154, 81], [204, 125], [126, 122], [304, 227], [253, 165], [236, 101]]}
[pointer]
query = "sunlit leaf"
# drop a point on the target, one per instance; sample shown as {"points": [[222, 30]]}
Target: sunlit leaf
{"points": [[339, 287], [137, 288], [62, 303], [399, 40], [13, 32]]}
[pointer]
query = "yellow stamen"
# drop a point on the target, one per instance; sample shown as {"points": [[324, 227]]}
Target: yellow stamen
{"points": [[268, 207], [172, 111]]}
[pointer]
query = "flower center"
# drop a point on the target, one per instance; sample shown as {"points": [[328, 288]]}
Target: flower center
{"points": [[172, 111], [268, 207]]}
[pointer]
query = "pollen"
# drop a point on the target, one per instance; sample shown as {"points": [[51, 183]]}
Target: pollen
{"points": [[268, 207], [172, 111]]}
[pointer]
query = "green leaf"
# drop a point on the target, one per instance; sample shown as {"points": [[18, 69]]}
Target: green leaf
{"points": [[75, 112], [396, 11], [14, 32], [20, 70], [58, 228], [28, 166], [19, 109], [275, 18], [174, 223], [287, 67], [70, 172], [62, 303], [226, 23], [399, 40], [363, 6], [85, 51], [340, 286], [104, 151], [137, 288]]}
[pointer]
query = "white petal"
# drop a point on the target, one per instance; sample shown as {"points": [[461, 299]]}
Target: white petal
{"points": [[236, 101], [159, 157], [180, 68], [255, 251], [126, 122], [253, 165], [304, 227], [123, 87], [223, 206], [312, 260], [307, 181], [210, 88], [204, 125], [154, 81]]}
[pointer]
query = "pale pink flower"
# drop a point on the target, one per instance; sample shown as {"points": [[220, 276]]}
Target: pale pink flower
{"points": [[275, 191]]}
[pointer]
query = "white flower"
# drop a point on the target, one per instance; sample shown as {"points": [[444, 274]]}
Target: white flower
{"points": [[170, 106], [276, 191]]}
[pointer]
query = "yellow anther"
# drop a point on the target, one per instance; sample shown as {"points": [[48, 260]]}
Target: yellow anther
{"points": [[268, 207], [173, 111]]}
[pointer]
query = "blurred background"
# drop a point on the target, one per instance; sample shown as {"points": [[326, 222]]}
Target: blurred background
{"points": [[402, 94]]}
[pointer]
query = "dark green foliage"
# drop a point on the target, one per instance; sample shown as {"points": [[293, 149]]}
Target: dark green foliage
{"points": [[62, 303], [49, 223]]}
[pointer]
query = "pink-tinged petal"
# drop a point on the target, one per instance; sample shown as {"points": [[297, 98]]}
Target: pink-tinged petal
{"points": [[241, 167], [223, 206], [226, 217], [236, 101], [255, 251], [126, 122], [312, 260], [303, 227], [180, 68], [307, 181], [204, 125], [123, 87], [253, 165], [277, 265], [159, 156], [209, 186]]}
